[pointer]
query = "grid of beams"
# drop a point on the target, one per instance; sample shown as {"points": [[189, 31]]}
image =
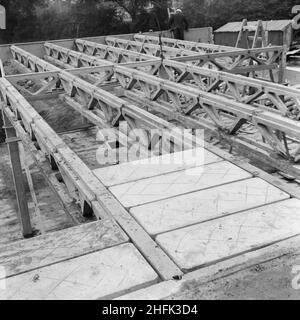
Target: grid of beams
{"points": [[243, 61], [221, 101], [273, 100], [187, 86], [81, 182], [188, 45]]}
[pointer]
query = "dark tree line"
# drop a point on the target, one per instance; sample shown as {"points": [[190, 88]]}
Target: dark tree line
{"points": [[216, 13], [32, 20]]}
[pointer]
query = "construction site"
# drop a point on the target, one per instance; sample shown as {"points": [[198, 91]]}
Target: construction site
{"points": [[138, 166]]}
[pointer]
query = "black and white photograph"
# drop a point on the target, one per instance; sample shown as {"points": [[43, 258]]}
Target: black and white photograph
{"points": [[149, 154]]}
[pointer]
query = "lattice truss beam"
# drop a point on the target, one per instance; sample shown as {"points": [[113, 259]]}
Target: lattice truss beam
{"points": [[182, 44], [242, 61], [218, 100], [116, 55], [69, 59], [86, 96], [97, 105], [251, 91], [224, 113], [265, 95], [81, 183]]}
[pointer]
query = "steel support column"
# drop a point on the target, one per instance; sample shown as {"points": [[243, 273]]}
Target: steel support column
{"points": [[13, 148]]}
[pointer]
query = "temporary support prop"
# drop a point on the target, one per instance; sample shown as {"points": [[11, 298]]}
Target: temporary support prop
{"points": [[23, 212]]}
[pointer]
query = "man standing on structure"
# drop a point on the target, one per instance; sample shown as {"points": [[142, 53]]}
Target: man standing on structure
{"points": [[178, 24]]}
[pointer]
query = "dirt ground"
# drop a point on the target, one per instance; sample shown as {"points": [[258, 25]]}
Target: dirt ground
{"points": [[268, 281], [275, 279]]}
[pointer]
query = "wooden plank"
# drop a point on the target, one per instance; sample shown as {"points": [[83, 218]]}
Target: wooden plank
{"points": [[179, 212], [221, 239], [24, 256], [155, 166], [170, 185], [102, 275]]}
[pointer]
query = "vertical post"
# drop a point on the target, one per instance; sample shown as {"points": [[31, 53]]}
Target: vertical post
{"points": [[282, 66], [13, 148]]}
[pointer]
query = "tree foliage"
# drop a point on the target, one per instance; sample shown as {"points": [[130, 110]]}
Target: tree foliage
{"points": [[33, 20], [216, 13], [80, 19], [20, 19], [30, 20], [141, 19]]}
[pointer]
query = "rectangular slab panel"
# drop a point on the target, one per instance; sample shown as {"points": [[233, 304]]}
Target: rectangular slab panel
{"points": [[221, 239], [177, 183], [62, 245], [105, 274], [155, 166], [196, 207]]}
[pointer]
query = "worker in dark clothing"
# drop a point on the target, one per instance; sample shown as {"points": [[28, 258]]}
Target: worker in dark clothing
{"points": [[178, 24]]}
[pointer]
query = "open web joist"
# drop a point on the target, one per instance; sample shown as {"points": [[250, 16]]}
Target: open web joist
{"points": [[254, 100], [182, 44], [248, 90], [252, 62], [272, 96], [234, 102]]}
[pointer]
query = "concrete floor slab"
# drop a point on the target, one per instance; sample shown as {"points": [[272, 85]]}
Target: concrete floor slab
{"points": [[27, 255], [192, 208], [155, 166], [105, 274], [169, 185], [221, 239], [267, 273]]}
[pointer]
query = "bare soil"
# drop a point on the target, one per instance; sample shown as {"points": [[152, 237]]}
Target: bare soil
{"points": [[271, 280]]}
